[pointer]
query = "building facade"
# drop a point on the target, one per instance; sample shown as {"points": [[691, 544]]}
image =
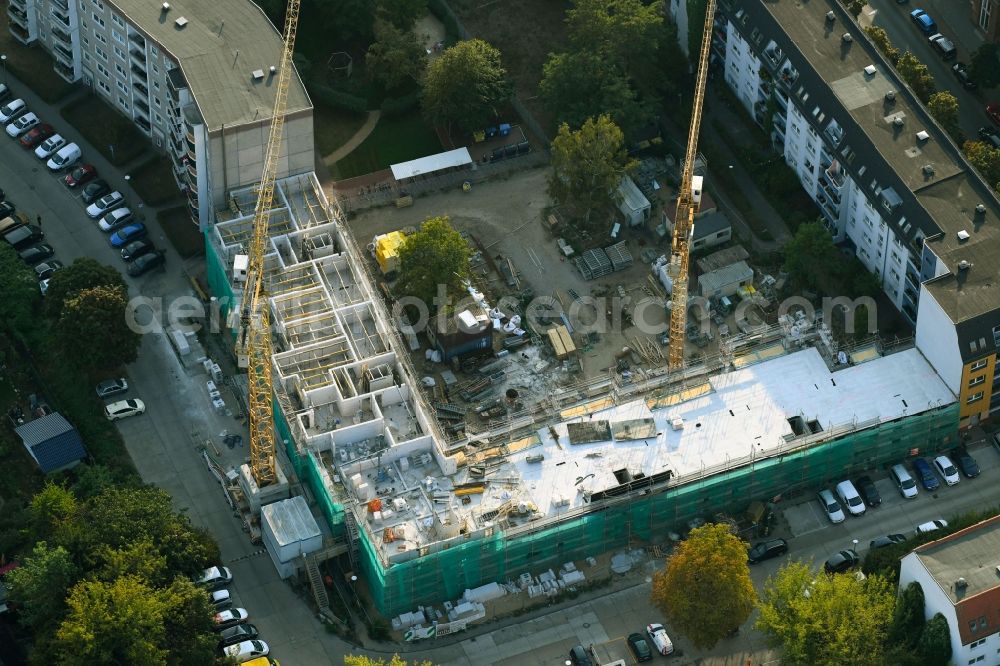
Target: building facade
{"points": [[200, 90]]}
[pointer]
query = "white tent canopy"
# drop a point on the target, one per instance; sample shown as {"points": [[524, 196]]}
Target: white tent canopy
{"points": [[431, 163]]}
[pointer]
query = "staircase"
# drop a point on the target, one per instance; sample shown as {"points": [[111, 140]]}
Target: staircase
{"points": [[352, 537], [316, 581]]}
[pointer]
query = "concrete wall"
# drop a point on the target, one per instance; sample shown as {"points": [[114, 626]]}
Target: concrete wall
{"points": [[936, 601], [938, 341]]}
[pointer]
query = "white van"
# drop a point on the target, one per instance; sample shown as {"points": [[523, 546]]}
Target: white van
{"points": [[66, 157], [830, 506], [904, 482], [851, 498]]}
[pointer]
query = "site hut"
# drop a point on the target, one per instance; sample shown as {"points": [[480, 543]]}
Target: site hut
{"points": [[725, 281], [633, 204], [465, 332]]}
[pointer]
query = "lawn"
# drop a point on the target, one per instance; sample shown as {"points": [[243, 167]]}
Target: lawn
{"points": [[392, 141], [32, 64], [183, 233], [154, 183], [333, 127], [111, 133]]}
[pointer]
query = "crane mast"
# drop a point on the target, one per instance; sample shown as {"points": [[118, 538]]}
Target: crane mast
{"points": [[688, 203], [253, 342]]}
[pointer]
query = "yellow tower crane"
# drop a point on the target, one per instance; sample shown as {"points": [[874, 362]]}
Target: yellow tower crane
{"points": [[253, 342], [688, 203]]}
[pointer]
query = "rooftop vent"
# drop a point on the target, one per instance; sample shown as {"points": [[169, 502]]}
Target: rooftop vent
{"points": [[870, 70], [846, 38], [963, 235], [273, 70], [922, 135], [964, 265], [831, 17], [961, 584], [165, 6], [980, 209], [998, 570], [181, 22], [898, 121], [257, 74], [928, 170], [890, 96]]}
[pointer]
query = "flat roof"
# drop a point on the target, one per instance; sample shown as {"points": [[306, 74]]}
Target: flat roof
{"points": [[291, 521], [218, 49], [937, 189], [431, 163]]}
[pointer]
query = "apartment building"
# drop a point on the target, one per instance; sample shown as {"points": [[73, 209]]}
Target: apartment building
{"points": [[197, 78], [889, 183], [958, 575]]}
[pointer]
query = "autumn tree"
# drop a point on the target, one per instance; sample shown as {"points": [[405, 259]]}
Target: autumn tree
{"points": [[52, 509], [916, 75], [39, 586], [881, 39], [20, 292], [587, 167], [984, 65], [465, 86], [400, 13], [435, 256], [82, 274], [985, 158], [826, 619], [705, 589], [395, 58], [98, 314], [944, 107]]}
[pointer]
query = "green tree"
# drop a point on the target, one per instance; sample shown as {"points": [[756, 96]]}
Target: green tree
{"points": [[916, 75], [908, 620], [465, 86], [434, 256], [93, 479], [855, 7], [98, 313], [985, 158], [362, 660], [118, 622], [810, 256], [580, 85], [705, 590], [401, 13], [141, 559], [944, 107], [824, 619], [81, 274], [587, 167], [187, 626], [626, 31], [881, 39], [395, 57], [984, 65], [52, 509], [20, 293], [39, 586], [934, 646]]}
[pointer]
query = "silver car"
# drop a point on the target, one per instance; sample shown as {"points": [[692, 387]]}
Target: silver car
{"points": [[110, 387]]}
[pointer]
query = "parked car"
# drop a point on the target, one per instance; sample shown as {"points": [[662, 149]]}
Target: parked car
{"points": [[64, 158], [106, 204], [237, 634], [640, 648], [885, 541], [843, 561], [904, 482], [124, 408], [867, 488], [12, 110], [7, 209], [930, 526], [925, 474], [221, 599], [22, 125], [50, 147], [36, 135], [115, 220], [831, 508], [146, 263], [13, 222], [658, 637], [230, 618], [215, 577], [990, 136], [81, 175], [4, 92], [993, 111], [43, 287], [245, 651], [45, 270], [137, 248], [851, 498], [126, 234], [944, 46], [947, 470], [36, 253], [110, 387], [766, 550], [95, 190], [579, 656], [968, 464], [22, 237], [962, 74], [924, 21]]}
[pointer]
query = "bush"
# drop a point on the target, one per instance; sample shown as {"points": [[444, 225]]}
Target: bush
{"points": [[336, 98], [400, 106]]}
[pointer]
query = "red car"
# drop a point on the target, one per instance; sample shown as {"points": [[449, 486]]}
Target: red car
{"points": [[81, 175], [993, 111], [36, 135]]}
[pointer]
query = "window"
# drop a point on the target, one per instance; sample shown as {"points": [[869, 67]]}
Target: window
{"points": [[153, 51], [976, 381], [981, 363], [121, 70], [118, 37], [118, 20], [98, 20], [101, 38], [122, 87], [157, 118], [103, 70], [976, 644], [156, 102], [123, 102], [86, 42], [98, 4], [120, 52], [104, 86], [86, 56], [975, 397]]}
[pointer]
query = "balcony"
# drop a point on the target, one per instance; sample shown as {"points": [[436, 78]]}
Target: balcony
{"points": [[143, 124], [141, 107], [20, 4], [64, 71], [20, 33], [63, 55], [18, 18], [910, 294], [834, 133], [140, 89], [788, 76], [835, 175], [829, 219], [140, 73], [773, 55], [138, 60], [138, 40], [62, 5], [192, 170], [61, 12], [62, 37]]}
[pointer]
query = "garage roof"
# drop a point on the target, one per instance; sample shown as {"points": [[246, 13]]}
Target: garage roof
{"points": [[431, 163]]}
